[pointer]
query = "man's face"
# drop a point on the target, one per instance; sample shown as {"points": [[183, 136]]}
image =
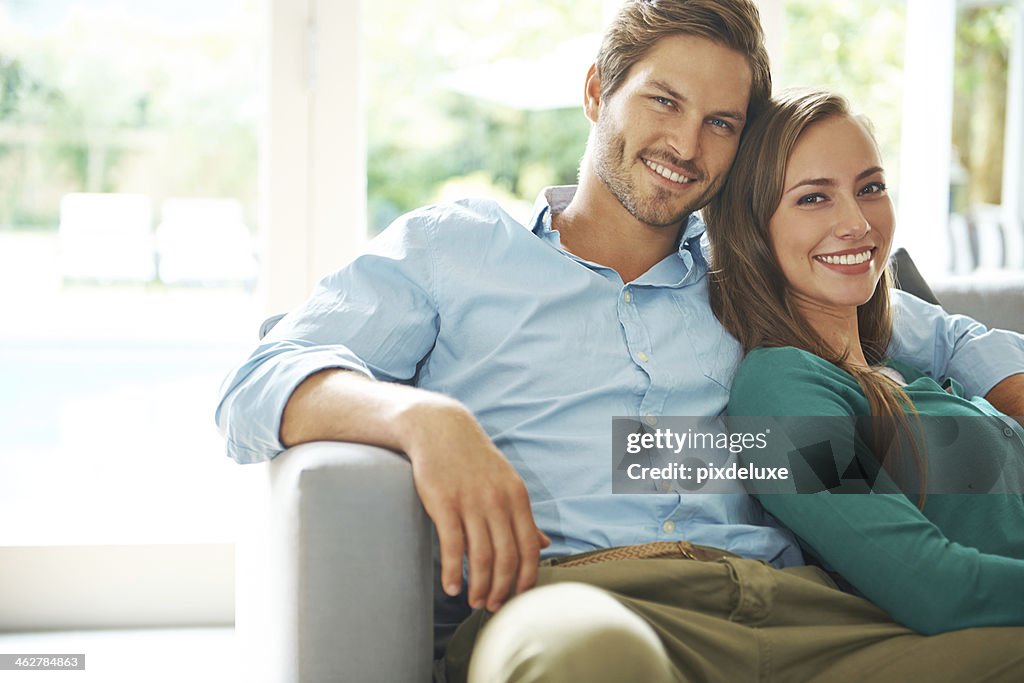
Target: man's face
{"points": [[664, 141]]}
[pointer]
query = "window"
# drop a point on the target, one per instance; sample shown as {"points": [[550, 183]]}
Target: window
{"points": [[129, 224], [987, 224]]}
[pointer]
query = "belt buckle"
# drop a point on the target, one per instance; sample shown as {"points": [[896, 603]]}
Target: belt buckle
{"points": [[687, 550]]}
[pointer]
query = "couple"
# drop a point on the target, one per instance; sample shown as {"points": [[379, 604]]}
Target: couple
{"points": [[495, 355]]}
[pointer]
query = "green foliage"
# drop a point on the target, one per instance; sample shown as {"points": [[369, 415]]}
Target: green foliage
{"points": [[106, 101], [855, 48], [982, 62], [421, 134]]}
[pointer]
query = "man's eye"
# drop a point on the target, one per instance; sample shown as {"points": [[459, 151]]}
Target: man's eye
{"points": [[815, 198], [662, 100], [719, 123]]}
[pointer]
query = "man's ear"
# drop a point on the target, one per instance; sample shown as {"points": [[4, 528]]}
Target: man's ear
{"points": [[592, 94]]}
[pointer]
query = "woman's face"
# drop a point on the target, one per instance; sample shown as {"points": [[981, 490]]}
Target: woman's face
{"points": [[833, 227]]}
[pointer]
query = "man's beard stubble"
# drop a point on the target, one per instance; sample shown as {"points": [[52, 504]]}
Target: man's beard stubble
{"points": [[609, 152]]}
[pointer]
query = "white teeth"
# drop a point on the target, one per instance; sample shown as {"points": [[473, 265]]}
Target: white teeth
{"points": [[846, 259], [668, 173]]}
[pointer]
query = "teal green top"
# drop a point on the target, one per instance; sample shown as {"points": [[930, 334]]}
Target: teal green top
{"points": [[959, 563]]}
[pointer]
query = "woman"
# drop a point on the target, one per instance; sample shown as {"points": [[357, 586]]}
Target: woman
{"points": [[800, 238]]}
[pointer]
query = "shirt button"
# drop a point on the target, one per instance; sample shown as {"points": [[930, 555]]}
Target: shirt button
{"points": [[642, 356], [669, 526], [627, 297], [1008, 432], [651, 420]]}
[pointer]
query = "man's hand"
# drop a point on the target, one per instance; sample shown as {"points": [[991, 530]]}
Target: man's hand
{"points": [[478, 502]]}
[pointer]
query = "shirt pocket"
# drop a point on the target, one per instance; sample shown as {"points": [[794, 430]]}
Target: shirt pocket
{"points": [[716, 352]]}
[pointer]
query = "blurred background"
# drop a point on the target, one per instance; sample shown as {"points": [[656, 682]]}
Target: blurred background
{"points": [[172, 173]]}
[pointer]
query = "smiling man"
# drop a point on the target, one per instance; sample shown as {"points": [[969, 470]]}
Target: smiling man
{"points": [[683, 126], [663, 139], [495, 355]]}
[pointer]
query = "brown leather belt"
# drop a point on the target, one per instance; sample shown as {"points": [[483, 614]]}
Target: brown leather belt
{"points": [[680, 550]]}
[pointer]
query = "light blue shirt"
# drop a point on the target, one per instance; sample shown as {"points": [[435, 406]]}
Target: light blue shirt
{"points": [[545, 348]]}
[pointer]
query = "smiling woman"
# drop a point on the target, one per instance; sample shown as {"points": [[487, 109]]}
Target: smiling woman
{"points": [[833, 228], [807, 187], [800, 239]]}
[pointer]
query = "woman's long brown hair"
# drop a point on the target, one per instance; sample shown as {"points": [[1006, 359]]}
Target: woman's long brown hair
{"points": [[749, 293]]}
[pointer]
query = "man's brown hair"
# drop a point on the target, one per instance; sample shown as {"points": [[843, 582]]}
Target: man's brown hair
{"points": [[639, 24]]}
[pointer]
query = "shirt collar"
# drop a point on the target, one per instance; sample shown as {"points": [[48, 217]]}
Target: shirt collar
{"points": [[550, 200], [554, 199]]}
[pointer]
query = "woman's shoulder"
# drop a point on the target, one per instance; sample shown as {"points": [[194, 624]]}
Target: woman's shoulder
{"points": [[788, 380], [787, 360]]}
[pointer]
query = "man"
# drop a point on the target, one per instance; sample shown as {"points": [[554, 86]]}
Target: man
{"points": [[494, 355]]}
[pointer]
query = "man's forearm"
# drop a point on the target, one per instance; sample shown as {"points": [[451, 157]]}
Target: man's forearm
{"points": [[1008, 396], [340, 405], [944, 345]]}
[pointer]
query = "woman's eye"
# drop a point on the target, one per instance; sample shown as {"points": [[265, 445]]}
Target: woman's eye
{"points": [[874, 188], [815, 198]]}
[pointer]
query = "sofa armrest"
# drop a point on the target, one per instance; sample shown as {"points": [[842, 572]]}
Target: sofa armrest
{"points": [[346, 567]]}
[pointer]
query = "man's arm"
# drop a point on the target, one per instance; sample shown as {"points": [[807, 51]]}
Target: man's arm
{"points": [[944, 345], [338, 368], [477, 501], [1008, 396]]}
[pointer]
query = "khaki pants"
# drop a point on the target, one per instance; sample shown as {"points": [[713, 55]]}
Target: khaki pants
{"points": [[726, 619]]}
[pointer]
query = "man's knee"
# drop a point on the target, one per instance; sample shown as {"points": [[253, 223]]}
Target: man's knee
{"points": [[568, 632]]}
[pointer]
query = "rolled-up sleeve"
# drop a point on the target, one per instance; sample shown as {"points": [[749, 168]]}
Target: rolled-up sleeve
{"points": [[947, 345], [376, 316]]}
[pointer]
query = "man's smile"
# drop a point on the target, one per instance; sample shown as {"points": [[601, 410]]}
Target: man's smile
{"points": [[668, 173]]}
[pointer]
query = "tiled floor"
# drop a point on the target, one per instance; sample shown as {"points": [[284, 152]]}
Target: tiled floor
{"points": [[193, 655]]}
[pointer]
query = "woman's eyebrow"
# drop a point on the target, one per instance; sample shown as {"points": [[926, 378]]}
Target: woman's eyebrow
{"points": [[870, 171], [817, 182], [829, 182]]}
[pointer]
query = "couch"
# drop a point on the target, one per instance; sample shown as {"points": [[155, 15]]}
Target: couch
{"points": [[334, 579]]}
